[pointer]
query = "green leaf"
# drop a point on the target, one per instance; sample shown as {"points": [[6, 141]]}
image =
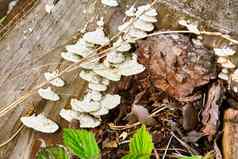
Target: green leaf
{"points": [[190, 157], [82, 143], [54, 152], [141, 145]]}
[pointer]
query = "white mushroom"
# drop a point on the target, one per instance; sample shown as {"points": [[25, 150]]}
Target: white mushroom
{"points": [[105, 81], [69, 114], [121, 45], [234, 75], [94, 95], [146, 10], [97, 87], [193, 27], [142, 25], [89, 64], [131, 67], [223, 76], [111, 101], [96, 37], [79, 49], [87, 121], [84, 105], [48, 94], [110, 3], [54, 79], [137, 33], [225, 70], [108, 73], [90, 76], [224, 51], [131, 11], [115, 57], [125, 26], [100, 112], [69, 56], [40, 123], [225, 63], [147, 18], [235, 89]]}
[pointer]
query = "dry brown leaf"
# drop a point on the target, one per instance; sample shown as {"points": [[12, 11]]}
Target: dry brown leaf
{"points": [[176, 65]]}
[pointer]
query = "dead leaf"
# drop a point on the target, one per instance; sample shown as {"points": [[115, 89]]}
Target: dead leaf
{"points": [[176, 66]]}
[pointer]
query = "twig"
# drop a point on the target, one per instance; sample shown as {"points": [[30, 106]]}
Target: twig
{"points": [[189, 148], [12, 137], [165, 152]]}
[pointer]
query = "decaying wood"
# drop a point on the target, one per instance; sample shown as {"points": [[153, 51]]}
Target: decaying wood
{"points": [[230, 135], [38, 40], [211, 112]]}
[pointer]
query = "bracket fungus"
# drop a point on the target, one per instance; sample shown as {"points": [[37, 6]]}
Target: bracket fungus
{"points": [[110, 3], [40, 123], [48, 94], [54, 79], [119, 61]]}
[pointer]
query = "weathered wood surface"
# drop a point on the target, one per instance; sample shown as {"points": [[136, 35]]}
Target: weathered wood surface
{"points": [[20, 54], [23, 50]]}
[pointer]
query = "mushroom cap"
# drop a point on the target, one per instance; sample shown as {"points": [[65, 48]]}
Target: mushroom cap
{"points": [[87, 121], [69, 56], [110, 101], [108, 73], [125, 26], [94, 95], [193, 27], [40, 123], [234, 75], [110, 3], [147, 18], [223, 76], [224, 51], [79, 49], [225, 62], [48, 94], [96, 37], [142, 25], [137, 33], [146, 10], [69, 114], [54, 79], [90, 76], [131, 11], [85, 105], [131, 67], [105, 81], [115, 57], [89, 64], [121, 45], [100, 112], [97, 87]]}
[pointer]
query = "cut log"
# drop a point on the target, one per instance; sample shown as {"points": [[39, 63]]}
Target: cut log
{"points": [[230, 135]]}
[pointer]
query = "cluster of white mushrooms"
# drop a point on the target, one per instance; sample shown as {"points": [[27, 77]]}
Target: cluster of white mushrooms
{"points": [[229, 71], [110, 3], [119, 61]]}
